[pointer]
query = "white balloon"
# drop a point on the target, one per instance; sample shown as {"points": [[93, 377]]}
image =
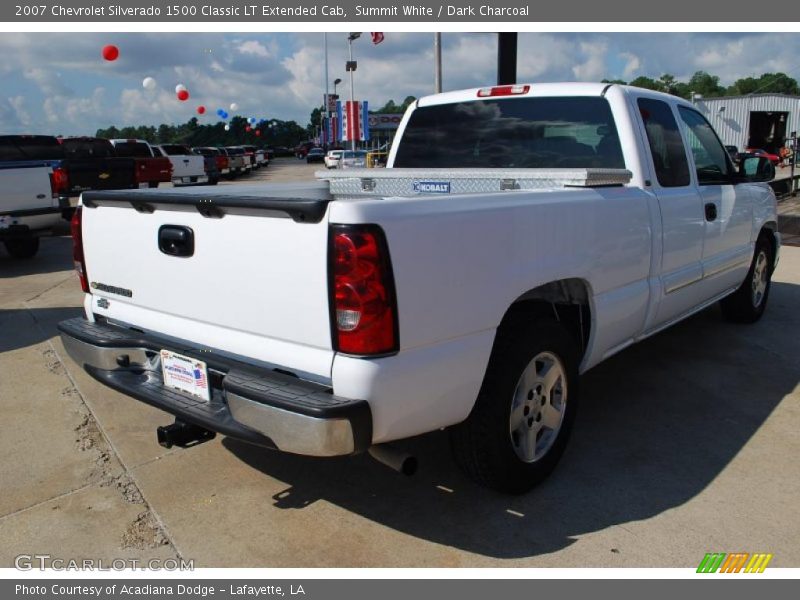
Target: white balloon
{"points": [[149, 83], [234, 106], [180, 88], [227, 127]]}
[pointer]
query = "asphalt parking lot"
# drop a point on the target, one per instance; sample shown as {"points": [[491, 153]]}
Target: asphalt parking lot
{"points": [[685, 444]]}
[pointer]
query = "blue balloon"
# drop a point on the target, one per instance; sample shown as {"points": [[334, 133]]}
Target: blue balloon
{"points": [[220, 112]]}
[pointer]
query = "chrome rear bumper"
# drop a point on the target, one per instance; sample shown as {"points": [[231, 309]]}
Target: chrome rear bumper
{"points": [[255, 405]]}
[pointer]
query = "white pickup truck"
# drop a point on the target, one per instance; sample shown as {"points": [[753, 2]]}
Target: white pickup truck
{"points": [[34, 191], [519, 236], [188, 168]]}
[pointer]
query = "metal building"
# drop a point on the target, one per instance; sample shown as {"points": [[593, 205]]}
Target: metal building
{"points": [[755, 121]]}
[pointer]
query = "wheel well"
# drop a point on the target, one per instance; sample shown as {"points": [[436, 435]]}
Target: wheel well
{"points": [[565, 301], [768, 232]]}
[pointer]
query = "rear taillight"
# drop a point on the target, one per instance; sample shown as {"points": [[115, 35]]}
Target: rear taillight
{"points": [[503, 90], [77, 249], [59, 181], [363, 302]]}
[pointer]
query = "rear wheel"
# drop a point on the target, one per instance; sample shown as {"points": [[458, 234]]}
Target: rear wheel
{"points": [[521, 421], [747, 304], [152, 184], [24, 247]]}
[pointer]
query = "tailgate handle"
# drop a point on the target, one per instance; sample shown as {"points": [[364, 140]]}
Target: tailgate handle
{"points": [[176, 240]]}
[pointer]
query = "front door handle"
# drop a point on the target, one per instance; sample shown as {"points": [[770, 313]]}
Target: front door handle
{"points": [[711, 212]]}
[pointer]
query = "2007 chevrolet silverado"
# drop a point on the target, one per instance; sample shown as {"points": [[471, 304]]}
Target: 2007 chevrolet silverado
{"points": [[520, 235]]}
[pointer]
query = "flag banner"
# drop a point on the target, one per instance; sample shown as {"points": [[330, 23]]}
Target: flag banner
{"points": [[364, 121], [340, 119]]}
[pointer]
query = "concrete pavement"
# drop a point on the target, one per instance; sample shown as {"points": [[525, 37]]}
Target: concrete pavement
{"points": [[685, 444]]}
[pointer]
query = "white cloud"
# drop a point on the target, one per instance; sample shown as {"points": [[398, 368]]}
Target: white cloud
{"points": [[594, 66], [632, 65]]}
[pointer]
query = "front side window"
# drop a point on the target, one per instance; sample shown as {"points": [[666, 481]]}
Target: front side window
{"points": [[711, 160], [558, 132]]}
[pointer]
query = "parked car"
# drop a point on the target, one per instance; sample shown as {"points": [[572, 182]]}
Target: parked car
{"points": [[773, 158], [236, 160], [258, 156], [188, 168], [315, 155], [353, 159], [93, 164], [332, 158], [151, 168], [34, 191], [465, 286], [221, 164]]}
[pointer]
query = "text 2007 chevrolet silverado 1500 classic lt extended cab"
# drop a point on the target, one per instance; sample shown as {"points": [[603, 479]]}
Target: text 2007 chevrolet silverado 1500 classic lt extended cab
{"points": [[519, 236]]}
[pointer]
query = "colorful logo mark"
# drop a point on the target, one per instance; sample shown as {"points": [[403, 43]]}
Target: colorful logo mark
{"points": [[736, 562]]}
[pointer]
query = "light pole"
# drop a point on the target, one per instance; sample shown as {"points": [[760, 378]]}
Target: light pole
{"points": [[351, 67], [336, 82], [437, 63]]}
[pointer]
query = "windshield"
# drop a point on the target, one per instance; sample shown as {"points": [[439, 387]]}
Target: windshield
{"points": [[354, 154], [564, 132]]}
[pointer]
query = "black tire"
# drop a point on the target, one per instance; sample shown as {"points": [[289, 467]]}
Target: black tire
{"points": [[744, 305], [152, 184], [482, 445], [213, 181], [23, 247]]}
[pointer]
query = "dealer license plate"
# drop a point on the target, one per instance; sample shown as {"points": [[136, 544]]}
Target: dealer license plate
{"points": [[185, 374]]}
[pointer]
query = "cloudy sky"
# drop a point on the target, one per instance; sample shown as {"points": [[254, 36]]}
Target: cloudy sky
{"points": [[58, 83]]}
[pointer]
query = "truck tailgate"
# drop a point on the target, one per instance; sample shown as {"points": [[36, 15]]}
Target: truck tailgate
{"points": [[255, 284], [25, 186]]}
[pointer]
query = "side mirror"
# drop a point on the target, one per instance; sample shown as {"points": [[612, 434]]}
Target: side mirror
{"points": [[756, 169]]}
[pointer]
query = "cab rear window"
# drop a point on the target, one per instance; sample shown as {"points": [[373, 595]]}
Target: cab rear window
{"points": [[30, 147], [564, 132]]}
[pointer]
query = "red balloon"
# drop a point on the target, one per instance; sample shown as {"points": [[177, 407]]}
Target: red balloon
{"points": [[201, 110], [247, 128], [258, 132], [110, 52], [183, 95]]}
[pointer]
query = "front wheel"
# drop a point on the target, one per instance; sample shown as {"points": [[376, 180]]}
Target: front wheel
{"points": [[22, 248], [152, 184], [522, 418], [747, 304]]}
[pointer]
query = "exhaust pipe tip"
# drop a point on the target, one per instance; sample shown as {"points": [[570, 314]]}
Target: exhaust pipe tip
{"points": [[395, 459]]}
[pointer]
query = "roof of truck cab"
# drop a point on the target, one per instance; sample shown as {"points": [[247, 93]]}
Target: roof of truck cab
{"points": [[543, 90]]}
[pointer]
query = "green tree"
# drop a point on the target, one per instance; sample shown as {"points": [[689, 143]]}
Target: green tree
{"points": [[705, 84], [767, 83], [647, 83]]}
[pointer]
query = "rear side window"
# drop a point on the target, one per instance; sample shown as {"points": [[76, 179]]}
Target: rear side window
{"points": [[512, 133], [132, 149], [30, 147], [78, 148], [666, 145]]}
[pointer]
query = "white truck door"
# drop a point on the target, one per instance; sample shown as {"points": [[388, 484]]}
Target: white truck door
{"points": [[681, 212], [727, 207]]}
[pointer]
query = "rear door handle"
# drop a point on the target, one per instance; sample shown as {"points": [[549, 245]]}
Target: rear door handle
{"points": [[711, 212]]}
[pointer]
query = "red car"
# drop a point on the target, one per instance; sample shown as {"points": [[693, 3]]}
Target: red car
{"points": [[773, 158]]}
